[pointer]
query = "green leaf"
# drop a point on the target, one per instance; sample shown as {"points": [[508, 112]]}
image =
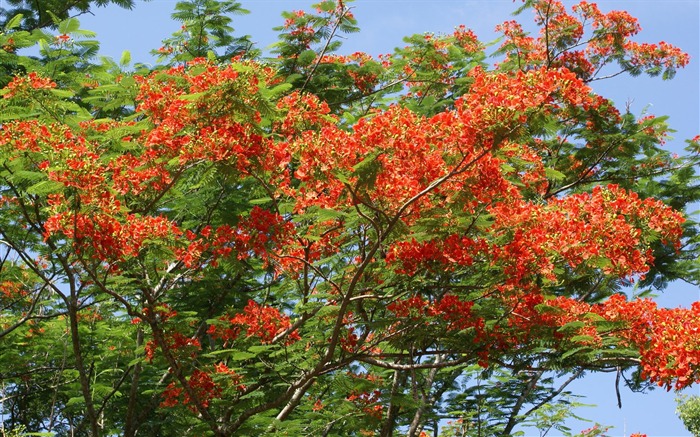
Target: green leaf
{"points": [[274, 93], [260, 348], [135, 361], [14, 22], [44, 46], [192, 97], [554, 174], [601, 262], [78, 400], [28, 175], [45, 187], [227, 352], [326, 6], [582, 338], [85, 34], [595, 317], [293, 78], [125, 59], [349, 118], [62, 93], [68, 26], [573, 351], [260, 201], [323, 215], [507, 168], [242, 356], [571, 326], [306, 57]]}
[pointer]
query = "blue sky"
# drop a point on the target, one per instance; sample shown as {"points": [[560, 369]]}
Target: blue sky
{"points": [[385, 22]]}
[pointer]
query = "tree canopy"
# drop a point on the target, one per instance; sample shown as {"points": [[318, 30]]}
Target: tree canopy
{"points": [[39, 14], [317, 243]]}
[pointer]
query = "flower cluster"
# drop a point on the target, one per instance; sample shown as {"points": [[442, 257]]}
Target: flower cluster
{"points": [[450, 311], [368, 401], [262, 322], [200, 383], [28, 84], [563, 42]]}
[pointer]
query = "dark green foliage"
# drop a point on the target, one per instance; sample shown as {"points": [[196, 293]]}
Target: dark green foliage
{"points": [[48, 13], [206, 32]]}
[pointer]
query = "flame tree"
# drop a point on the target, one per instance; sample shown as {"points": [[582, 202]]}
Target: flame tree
{"points": [[326, 244]]}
